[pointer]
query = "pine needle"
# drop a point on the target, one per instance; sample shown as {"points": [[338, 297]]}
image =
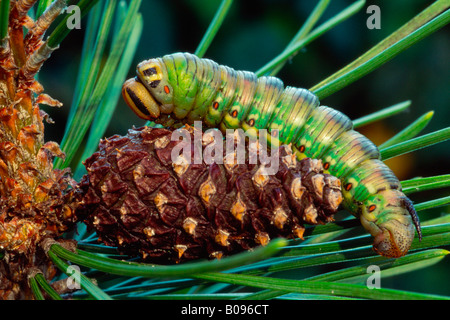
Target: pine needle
{"points": [[213, 28]]}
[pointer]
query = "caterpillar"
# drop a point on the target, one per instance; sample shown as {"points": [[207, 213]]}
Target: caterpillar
{"points": [[181, 88]]}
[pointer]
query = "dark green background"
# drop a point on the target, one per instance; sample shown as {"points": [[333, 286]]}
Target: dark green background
{"points": [[256, 31]]}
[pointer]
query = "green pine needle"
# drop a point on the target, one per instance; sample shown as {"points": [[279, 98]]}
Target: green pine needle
{"points": [[89, 68], [93, 46], [107, 106], [420, 180], [314, 287], [425, 16], [401, 265], [410, 131], [84, 114], [429, 21], [47, 287], [118, 267], [42, 5], [323, 28], [35, 289], [303, 32], [61, 31], [433, 204], [423, 184], [381, 114], [213, 28], [357, 248], [4, 20], [414, 260], [415, 144], [93, 290]]}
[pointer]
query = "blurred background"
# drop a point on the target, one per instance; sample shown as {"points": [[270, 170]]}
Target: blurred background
{"points": [[255, 31]]}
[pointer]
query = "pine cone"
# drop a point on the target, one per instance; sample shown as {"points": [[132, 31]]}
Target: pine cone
{"points": [[138, 199]]}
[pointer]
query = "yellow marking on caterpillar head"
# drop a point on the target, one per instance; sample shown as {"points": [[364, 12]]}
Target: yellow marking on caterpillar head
{"points": [[150, 72], [140, 100]]}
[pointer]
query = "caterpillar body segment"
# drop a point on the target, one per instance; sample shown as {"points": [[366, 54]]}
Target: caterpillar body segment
{"points": [[185, 88]]}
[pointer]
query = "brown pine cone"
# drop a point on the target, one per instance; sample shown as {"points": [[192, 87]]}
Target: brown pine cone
{"points": [[138, 199]]}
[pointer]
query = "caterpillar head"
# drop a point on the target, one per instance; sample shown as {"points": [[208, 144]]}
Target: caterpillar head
{"points": [[150, 93], [390, 217]]}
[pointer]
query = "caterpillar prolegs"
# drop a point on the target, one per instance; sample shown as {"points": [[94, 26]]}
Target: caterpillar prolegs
{"points": [[182, 88]]}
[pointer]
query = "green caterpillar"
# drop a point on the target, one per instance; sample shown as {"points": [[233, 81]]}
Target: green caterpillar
{"points": [[182, 88]]}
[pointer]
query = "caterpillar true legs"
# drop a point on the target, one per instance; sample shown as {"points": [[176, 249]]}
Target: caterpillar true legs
{"points": [[182, 88]]}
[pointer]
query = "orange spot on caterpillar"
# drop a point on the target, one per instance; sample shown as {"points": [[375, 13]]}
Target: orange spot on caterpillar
{"points": [[348, 186], [166, 89], [372, 208], [215, 105], [326, 165], [251, 122], [234, 113], [301, 149]]}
